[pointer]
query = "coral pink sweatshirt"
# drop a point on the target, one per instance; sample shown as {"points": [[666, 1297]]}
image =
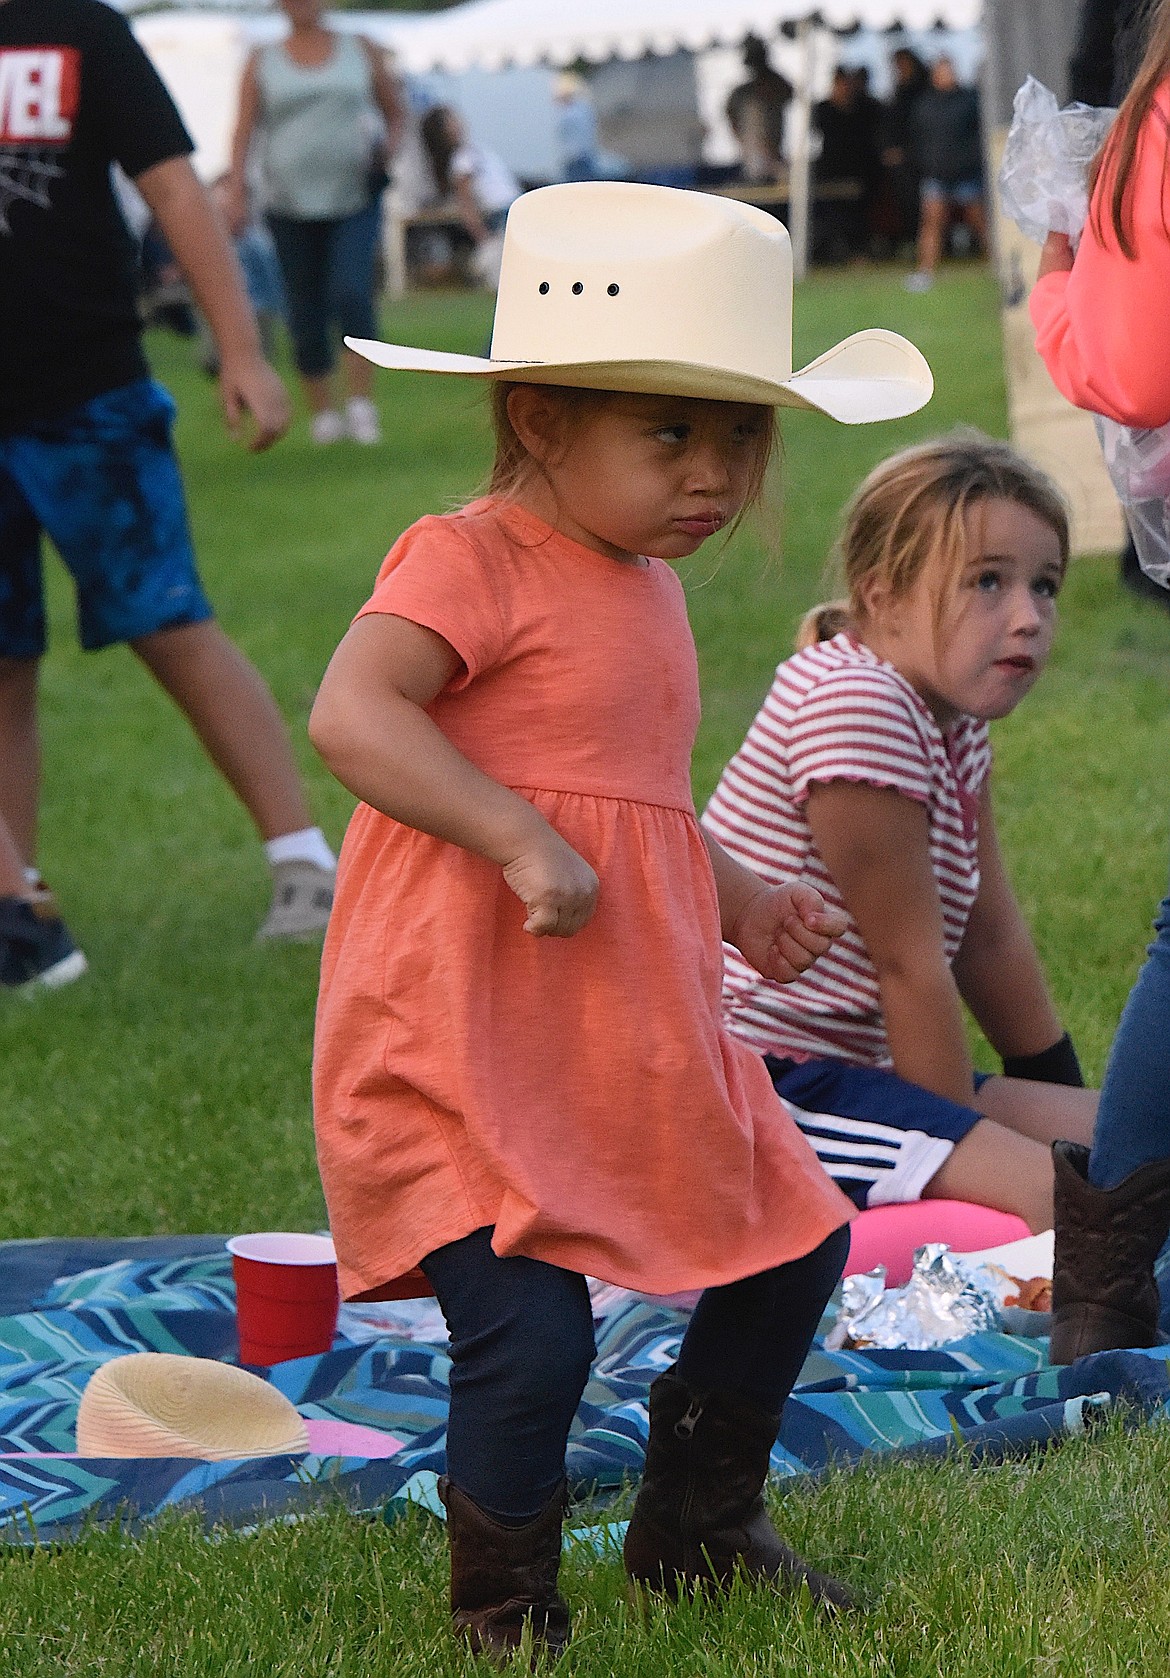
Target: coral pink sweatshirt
{"points": [[1103, 327]]}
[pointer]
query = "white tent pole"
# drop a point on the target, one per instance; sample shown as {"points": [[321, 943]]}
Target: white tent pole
{"points": [[800, 163]]}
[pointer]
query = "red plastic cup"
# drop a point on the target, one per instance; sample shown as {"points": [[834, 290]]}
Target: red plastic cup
{"points": [[286, 1295]]}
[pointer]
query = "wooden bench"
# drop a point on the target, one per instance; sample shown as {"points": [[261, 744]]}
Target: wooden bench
{"points": [[397, 225]]}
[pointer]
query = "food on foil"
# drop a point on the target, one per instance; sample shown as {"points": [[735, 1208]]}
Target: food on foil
{"points": [[947, 1298], [1033, 1295]]}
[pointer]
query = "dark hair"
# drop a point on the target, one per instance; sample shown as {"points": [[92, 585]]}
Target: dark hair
{"points": [[755, 53], [916, 78], [1113, 169], [435, 133], [911, 514]]}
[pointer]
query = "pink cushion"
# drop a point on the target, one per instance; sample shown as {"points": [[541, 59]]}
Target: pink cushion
{"points": [[330, 1438], [889, 1234]]}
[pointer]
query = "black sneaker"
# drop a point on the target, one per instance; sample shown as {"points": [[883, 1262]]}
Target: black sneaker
{"points": [[36, 951]]}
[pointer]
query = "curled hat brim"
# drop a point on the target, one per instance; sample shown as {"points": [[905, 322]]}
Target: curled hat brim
{"points": [[161, 1404], [871, 375]]}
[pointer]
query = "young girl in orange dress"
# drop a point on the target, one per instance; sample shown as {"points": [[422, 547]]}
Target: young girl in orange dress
{"points": [[521, 1076]]}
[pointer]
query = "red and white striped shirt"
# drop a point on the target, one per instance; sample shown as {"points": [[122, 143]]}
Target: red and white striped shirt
{"points": [[836, 712]]}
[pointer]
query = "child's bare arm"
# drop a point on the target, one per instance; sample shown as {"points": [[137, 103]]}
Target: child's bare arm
{"points": [[875, 843], [369, 725], [997, 969], [780, 930]]}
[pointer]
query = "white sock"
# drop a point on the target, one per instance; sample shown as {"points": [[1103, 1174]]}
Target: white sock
{"points": [[309, 845], [33, 877]]}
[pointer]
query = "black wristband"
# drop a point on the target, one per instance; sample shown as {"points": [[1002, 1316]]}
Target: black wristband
{"points": [[1056, 1065]]}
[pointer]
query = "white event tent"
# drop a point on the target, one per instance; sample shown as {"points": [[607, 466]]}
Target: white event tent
{"points": [[488, 34]]}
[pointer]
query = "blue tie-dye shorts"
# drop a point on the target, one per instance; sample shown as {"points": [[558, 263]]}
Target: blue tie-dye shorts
{"points": [[102, 481]]}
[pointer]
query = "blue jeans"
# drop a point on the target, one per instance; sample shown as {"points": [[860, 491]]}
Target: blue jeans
{"points": [[1133, 1119], [328, 270], [522, 1345]]}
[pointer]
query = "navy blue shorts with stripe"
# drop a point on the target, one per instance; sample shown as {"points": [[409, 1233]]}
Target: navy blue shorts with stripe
{"points": [[103, 483], [879, 1137]]}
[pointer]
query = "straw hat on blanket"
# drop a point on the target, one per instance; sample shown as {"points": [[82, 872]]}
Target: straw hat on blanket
{"points": [[154, 1404], [608, 285]]}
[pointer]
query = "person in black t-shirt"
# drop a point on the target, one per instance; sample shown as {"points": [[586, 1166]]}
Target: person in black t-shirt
{"points": [[948, 153], [85, 451], [755, 113], [896, 139], [1111, 37], [847, 165]]}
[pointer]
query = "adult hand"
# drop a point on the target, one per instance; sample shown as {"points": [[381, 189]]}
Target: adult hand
{"points": [[248, 385], [1057, 255], [783, 929], [556, 886]]}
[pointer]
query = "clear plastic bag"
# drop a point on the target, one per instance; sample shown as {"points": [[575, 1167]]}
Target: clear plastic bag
{"points": [[1044, 176], [1138, 463], [1043, 184]]}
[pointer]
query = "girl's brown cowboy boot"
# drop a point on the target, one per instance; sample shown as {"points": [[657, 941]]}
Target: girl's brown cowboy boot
{"points": [[699, 1518], [504, 1579]]}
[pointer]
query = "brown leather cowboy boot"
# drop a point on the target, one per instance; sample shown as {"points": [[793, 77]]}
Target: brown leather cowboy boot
{"points": [[504, 1579], [1104, 1295], [699, 1518]]}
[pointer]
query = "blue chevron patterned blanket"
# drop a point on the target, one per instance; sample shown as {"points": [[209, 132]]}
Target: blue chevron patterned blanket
{"points": [[68, 1306]]}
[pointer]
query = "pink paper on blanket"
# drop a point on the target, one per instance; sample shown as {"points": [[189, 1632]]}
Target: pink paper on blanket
{"points": [[328, 1438]]}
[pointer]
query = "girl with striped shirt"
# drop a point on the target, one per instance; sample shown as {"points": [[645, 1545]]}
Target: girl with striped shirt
{"points": [[867, 773]]}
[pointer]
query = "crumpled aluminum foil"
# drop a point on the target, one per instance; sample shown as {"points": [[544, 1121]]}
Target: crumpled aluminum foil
{"points": [[946, 1298]]}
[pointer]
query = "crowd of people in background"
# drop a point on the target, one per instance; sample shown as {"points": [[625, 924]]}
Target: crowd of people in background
{"points": [[898, 174], [890, 176], [900, 177]]}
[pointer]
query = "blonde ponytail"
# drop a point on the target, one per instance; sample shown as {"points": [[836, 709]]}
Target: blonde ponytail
{"points": [[823, 622]]}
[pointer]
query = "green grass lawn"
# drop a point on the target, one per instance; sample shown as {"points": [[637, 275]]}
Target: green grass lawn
{"points": [[168, 1092]]}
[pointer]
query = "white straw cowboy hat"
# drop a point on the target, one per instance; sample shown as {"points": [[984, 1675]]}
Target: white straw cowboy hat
{"points": [[154, 1404], [608, 285]]}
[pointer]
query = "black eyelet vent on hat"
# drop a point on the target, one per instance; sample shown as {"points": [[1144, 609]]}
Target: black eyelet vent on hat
{"points": [[578, 288], [612, 290], [543, 288]]}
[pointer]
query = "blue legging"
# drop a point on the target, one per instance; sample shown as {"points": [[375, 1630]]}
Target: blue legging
{"points": [[1133, 1118], [328, 272], [522, 1345]]}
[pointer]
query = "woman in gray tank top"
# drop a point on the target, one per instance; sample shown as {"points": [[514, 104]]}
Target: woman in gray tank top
{"points": [[325, 114]]}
